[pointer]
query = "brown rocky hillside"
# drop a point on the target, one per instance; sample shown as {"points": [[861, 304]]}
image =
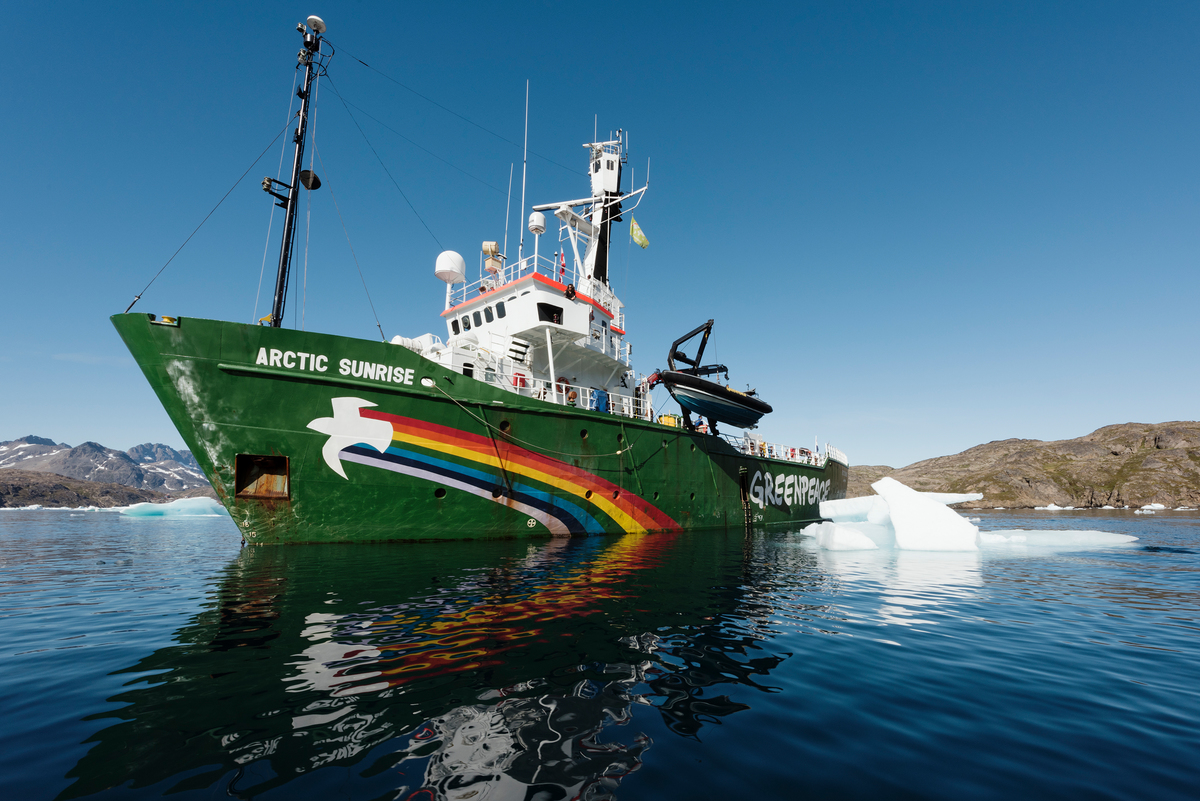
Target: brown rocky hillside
{"points": [[1120, 465], [30, 487]]}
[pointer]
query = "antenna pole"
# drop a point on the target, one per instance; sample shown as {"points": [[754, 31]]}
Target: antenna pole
{"points": [[507, 204], [312, 45], [524, 162]]}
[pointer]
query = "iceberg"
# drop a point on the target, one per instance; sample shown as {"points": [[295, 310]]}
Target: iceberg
{"points": [[874, 509], [924, 524], [1158, 506], [183, 507]]}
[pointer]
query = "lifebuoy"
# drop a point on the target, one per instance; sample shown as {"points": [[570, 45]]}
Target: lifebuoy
{"points": [[570, 292], [562, 385]]}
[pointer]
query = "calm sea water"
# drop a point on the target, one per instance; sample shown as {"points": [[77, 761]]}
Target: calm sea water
{"points": [[147, 657]]}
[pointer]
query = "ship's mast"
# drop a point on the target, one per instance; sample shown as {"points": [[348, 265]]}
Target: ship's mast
{"points": [[308, 58]]}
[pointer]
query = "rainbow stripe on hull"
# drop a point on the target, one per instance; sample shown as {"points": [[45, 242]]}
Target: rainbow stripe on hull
{"points": [[564, 498]]}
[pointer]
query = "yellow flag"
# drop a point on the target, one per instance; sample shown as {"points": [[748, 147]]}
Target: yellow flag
{"points": [[635, 231]]}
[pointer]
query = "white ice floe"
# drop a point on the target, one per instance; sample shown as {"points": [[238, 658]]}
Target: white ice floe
{"points": [[1108, 507], [1143, 511], [1154, 506], [183, 507], [1051, 507], [1075, 539]]}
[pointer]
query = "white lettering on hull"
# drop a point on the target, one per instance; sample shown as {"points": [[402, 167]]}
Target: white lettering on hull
{"points": [[787, 489], [302, 362]]}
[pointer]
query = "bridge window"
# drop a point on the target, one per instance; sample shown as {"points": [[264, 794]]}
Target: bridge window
{"points": [[478, 319], [487, 314], [454, 326], [549, 313], [500, 310], [466, 321]]}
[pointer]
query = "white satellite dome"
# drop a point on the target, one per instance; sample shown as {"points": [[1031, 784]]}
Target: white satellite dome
{"points": [[537, 223], [450, 267]]}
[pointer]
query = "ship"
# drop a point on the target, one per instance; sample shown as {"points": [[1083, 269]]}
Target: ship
{"points": [[525, 418]]}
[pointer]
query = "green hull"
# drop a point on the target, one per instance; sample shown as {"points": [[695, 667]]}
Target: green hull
{"points": [[274, 417]]}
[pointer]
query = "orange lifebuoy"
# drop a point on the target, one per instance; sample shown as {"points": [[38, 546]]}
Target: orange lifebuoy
{"points": [[562, 385]]}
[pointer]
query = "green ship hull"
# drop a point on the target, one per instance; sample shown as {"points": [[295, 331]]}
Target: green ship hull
{"points": [[312, 437]]}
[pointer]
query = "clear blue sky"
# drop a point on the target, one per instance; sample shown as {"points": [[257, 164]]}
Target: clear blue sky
{"points": [[919, 226]]}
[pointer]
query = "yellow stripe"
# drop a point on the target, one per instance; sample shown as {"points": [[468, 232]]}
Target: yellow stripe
{"points": [[623, 519]]}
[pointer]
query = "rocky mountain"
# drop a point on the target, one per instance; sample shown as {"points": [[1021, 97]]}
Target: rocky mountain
{"points": [[27, 488], [1131, 464], [150, 466]]}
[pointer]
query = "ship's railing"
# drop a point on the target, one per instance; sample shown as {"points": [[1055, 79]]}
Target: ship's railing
{"points": [[546, 267], [633, 406], [496, 372], [837, 455]]}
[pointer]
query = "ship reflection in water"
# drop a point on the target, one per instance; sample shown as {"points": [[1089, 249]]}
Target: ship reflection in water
{"points": [[497, 670]]}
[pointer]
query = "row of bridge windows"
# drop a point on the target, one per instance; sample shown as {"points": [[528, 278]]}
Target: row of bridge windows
{"points": [[478, 318]]}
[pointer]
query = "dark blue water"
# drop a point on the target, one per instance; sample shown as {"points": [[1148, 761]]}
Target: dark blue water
{"points": [[146, 657]]}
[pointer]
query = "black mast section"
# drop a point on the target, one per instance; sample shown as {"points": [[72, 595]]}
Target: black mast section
{"points": [[312, 47]]}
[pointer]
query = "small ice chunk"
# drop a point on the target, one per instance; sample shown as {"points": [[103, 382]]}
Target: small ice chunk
{"points": [[922, 524], [1049, 508], [1154, 506], [1108, 507], [839, 537], [183, 507], [951, 498], [1143, 511]]}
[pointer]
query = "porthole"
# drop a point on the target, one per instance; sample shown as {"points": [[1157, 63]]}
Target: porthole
{"points": [[693, 496], [583, 433], [504, 426], [466, 321], [496, 492], [588, 495], [616, 494], [620, 438], [656, 496], [693, 447], [439, 493], [664, 443]]}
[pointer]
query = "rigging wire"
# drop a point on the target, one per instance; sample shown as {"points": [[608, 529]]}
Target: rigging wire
{"points": [[381, 164], [354, 255], [456, 114], [138, 296], [271, 221], [510, 437], [421, 148]]}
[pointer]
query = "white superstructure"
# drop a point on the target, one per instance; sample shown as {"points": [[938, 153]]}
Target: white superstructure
{"points": [[547, 326]]}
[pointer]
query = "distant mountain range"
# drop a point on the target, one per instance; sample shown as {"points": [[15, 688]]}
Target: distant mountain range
{"points": [[1132, 464], [150, 467]]}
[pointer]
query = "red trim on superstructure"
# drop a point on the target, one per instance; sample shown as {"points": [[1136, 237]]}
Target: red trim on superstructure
{"points": [[536, 277], [617, 331]]}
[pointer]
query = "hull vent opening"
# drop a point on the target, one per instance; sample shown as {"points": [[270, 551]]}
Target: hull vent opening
{"points": [[261, 477]]}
